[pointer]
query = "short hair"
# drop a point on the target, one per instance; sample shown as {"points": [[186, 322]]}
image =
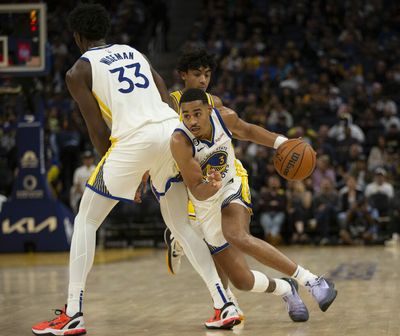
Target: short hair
{"points": [[192, 95], [91, 21], [194, 59]]}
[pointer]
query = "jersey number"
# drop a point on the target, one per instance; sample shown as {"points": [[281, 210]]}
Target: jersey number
{"points": [[143, 84]]}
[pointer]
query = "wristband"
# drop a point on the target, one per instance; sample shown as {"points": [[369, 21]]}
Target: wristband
{"points": [[279, 141]]}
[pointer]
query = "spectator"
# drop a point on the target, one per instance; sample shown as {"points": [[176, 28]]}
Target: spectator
{"points": [[325, 208], [81, 176], [378, 155], [338, 131], [348, 196], [360, 225], [379, 185], [380, 193], [323, 171], [299, 210], [272, 206]]}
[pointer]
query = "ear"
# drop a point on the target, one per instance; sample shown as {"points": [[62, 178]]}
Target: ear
{"points": [[183, 75], [209, 108]]}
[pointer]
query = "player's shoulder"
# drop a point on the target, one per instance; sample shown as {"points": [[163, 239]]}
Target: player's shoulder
{"points": [[180, 142], [216, 101], [79, 73]]}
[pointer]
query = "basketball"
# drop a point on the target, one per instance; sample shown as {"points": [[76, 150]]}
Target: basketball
{"points": [[295, 160]]}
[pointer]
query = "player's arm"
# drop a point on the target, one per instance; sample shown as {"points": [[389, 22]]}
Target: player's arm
{"points": [[162, 88], [79, 83], [182, 151], [242, 130]]}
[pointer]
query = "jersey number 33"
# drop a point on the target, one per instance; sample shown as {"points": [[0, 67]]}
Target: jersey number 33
{"points": [[140, 80]]}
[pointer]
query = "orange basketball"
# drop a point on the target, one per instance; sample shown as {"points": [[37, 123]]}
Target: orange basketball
{"points": [[295, 160]]}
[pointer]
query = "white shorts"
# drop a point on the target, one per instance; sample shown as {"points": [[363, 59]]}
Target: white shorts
{"points": [[209, 216], [120, 171]]}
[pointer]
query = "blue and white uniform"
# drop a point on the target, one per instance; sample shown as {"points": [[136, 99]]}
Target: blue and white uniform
{"points": [[141, 123], [217, 153]]}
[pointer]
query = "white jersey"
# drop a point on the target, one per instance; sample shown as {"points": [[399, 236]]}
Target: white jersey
{"points": [[218, 153], [124, 88]]}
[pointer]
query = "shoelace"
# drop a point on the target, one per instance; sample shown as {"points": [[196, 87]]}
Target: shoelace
{"points": [[316, 282], [57, 312]]}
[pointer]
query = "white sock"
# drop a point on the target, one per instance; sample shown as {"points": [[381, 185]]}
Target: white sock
{"points": [[229, 293], [261, 282], [75, 298], [282, 287], [303, 275], [218, 294]]}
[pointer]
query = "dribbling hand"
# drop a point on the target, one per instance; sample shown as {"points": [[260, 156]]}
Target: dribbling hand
{"points": [[214, 179]]}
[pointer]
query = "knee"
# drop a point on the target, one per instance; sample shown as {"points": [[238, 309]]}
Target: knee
{"points": [[241, 239]]}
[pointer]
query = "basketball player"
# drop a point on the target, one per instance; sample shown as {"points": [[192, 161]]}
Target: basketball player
{"points": [[116, 88], [202, 144], [195, 68]]}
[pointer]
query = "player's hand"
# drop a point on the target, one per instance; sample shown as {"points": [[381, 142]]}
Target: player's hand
{"points": [[142, 186], [214, 179]]}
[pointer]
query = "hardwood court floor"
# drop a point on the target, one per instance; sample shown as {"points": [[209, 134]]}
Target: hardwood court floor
{"points": [[136, 296]]}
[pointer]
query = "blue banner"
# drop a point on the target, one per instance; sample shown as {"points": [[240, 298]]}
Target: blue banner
{"points": [[32, 219]]}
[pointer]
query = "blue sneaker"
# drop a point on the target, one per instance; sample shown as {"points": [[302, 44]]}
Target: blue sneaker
{"points": [[297, 310], [323, 291]]}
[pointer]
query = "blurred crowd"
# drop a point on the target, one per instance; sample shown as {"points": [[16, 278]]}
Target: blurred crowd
{"points": [[326, 71], [66, 138]]}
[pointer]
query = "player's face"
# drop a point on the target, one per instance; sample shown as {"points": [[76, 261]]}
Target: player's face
{"points": [[196, 117], [197, 78]]}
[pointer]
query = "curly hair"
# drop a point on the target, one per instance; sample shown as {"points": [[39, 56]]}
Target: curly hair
{"points": [[90, 21], [194, 59]]}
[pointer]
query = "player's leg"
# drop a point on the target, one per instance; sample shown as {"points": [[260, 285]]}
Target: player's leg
{"points": [[174, 211], [235, 230], [175, 253], [239, 273], [93, 210]]}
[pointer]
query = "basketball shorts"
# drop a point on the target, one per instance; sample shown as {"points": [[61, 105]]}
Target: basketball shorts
{"points": [[208, 213], [120, 171]]}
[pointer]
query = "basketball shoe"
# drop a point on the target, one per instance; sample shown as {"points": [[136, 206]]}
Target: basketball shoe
{"points": [[62, 325], [174, 252], [323, 291], [233, 299], [297, 310], [225, 318]]}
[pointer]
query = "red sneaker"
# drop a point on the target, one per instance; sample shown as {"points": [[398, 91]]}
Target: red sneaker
{"points": [[225, 318], [62, 325]]}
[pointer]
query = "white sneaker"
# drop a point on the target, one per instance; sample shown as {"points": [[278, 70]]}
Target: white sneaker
{"points": [[174, 252]]}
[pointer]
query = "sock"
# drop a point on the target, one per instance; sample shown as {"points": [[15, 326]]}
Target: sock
{"points": [[75, 299], [303, 275], [282, 287], [218, 294], [231, 296], [261, 282]]}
